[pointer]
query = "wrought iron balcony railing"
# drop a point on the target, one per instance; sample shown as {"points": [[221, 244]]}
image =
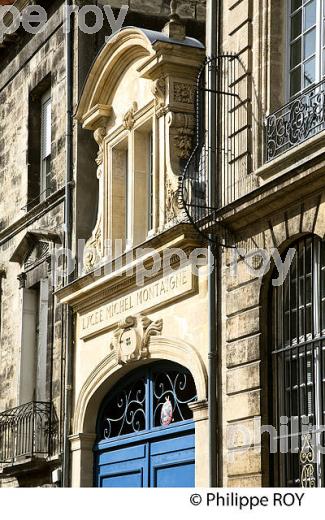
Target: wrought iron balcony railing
{"points": [[297, 121], [28, 431]]}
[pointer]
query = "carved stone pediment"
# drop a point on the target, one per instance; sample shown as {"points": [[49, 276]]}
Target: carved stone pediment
{"points": [[40, 252], [131, 339], [35, 247]]}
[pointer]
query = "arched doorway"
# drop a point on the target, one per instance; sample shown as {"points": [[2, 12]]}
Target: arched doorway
{"points": [[145, 431]]}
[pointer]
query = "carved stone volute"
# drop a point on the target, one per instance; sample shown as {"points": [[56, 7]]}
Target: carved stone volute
{"points": [[130, 341]]}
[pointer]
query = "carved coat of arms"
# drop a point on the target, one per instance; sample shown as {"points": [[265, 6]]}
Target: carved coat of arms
{"points": [[131, 339]]}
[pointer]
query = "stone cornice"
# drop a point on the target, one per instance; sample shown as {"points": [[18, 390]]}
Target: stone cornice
{"points": [[100, 287], [291, 186], [34, 214]]}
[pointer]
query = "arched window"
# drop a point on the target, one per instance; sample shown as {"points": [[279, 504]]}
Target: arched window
{"points": [[138, 402], [298, 368]]}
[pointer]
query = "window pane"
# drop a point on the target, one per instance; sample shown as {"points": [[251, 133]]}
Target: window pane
{"points": [[295, 81], [295, 54], [309, 43], [46, 129], [308, 317], [295, 4], [293, 293], [296, 26], [293, 325], [309, 72], [310, 15]]}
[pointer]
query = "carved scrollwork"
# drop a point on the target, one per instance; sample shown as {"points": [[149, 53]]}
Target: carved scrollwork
{"points": [[181, 137], [99, 135], [128, 119], [184, 142], [93, 248], [159, 92], [307, 477], [184, 93], [130, 341], [172, 201]]}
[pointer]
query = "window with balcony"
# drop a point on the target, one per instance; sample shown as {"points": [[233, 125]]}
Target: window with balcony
{"points": [[302, 115], [33, 369]]}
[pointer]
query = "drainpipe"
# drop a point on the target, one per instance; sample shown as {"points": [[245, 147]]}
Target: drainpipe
{"points": [[68, 245], [214, 262]]}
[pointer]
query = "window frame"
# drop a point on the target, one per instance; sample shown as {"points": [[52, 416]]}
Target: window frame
{"points": [[298, 370], [138, 163], [319, 48], [45, 159]]}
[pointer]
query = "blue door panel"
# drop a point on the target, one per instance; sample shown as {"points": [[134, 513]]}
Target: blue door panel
{"points": [[122, 454], [176, 476], [126, 467], [125, 480], [172, 462], [162, 462], [172, 444], [136, 447]]}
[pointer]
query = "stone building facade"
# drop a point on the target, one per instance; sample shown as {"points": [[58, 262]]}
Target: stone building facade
{"points": [[35, 142], [130, 384], [272, 336]]}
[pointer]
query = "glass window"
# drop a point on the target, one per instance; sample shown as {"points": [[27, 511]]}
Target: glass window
{"points": [[150, 183], [46, 138], [306, 44]]}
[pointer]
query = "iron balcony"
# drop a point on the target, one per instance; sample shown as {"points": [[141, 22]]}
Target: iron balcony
{"points": [[301, 118], [28, 431]]}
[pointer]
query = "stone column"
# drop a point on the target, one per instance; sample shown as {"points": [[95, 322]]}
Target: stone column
{"points": [[200, 417], [82, 474]]}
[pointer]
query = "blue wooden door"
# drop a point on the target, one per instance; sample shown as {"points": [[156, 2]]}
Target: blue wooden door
{"points": [[146, 435]]}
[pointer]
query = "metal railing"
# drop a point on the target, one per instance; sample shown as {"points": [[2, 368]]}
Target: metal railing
{"points": [[295, 122], [30, 430], [221, 88]]}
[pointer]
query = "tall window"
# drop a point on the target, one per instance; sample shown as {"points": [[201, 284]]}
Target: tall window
{"points": [[33, 371], [132, 187], [306, 43], [298, 368], [150, 183], [45, 180], [39, 144]]}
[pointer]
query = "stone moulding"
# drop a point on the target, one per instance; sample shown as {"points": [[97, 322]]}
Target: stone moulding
{"points": [[152, 70]]}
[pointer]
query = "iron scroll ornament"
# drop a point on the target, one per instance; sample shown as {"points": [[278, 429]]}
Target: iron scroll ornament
{"points": [[300, 119], [138, 405], [173, 387]]}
